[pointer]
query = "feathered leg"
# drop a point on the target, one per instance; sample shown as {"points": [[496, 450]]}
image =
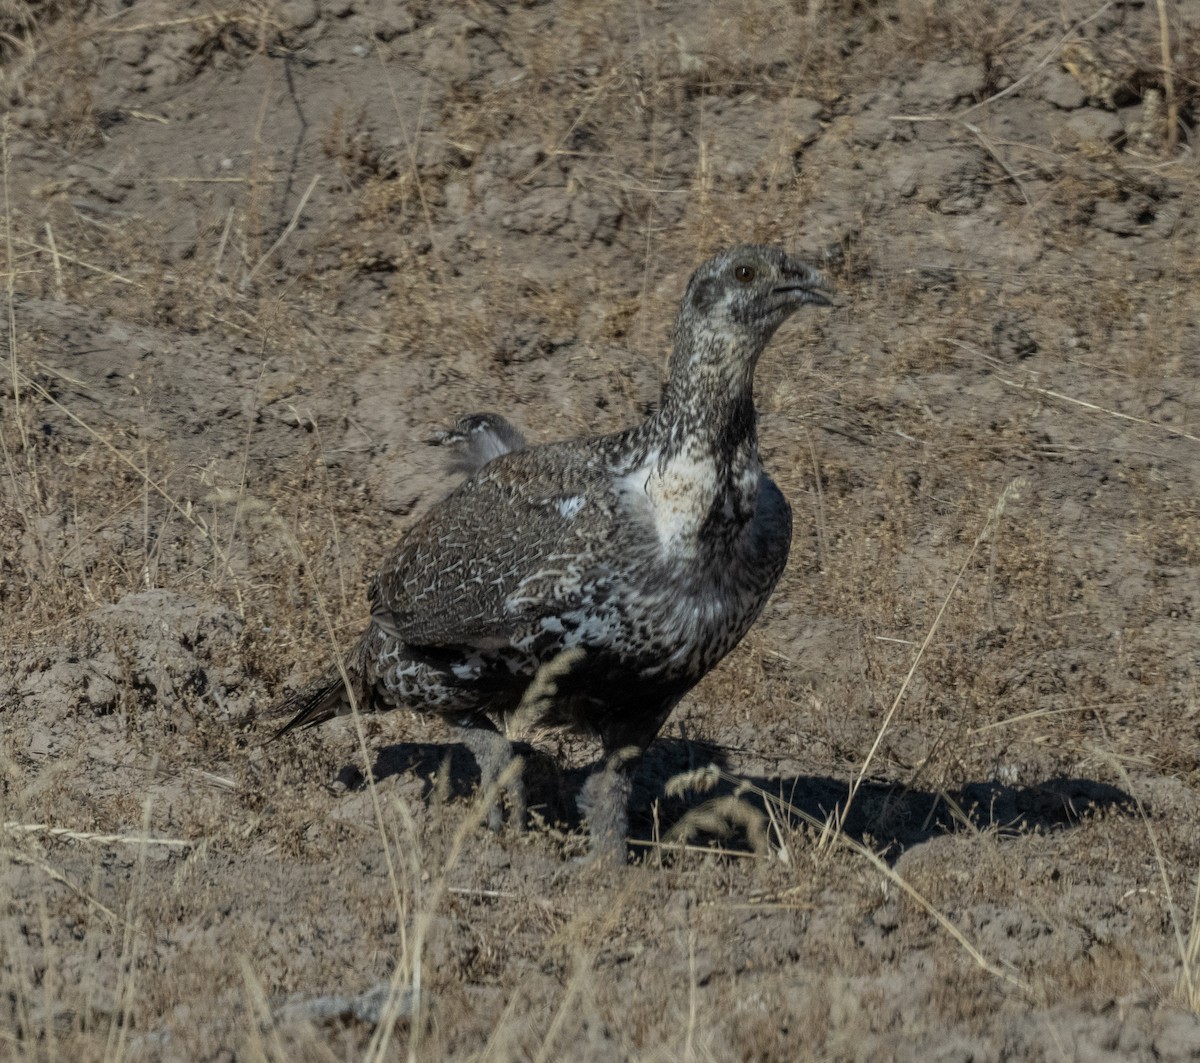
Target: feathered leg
{"points": [[494, 753], [604, 804], [604, 799]]}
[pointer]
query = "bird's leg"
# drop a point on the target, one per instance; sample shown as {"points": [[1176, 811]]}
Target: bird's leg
{"points": [[494, 754], [604, 803]]}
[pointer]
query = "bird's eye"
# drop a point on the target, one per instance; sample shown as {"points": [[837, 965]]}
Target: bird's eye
{"points": [[744, 274]]}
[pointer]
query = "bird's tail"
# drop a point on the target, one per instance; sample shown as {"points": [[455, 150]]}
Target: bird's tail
{"points": [[325, 697]]}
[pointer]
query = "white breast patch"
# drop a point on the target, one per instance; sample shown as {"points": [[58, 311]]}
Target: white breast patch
{"points": [[676, 498]]}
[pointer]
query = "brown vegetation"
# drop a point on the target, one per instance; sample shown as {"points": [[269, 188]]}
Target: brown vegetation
{"points": [[254, 257]]}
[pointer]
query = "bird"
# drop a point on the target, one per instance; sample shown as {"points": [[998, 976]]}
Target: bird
{"points": [[590, 583], [477, 438]]}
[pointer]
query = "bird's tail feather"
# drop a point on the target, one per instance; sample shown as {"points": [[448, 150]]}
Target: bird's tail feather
{"points": [[323, 698]]}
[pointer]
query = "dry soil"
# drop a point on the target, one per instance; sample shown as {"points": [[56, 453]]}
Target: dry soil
{"points": [[254, 258]]}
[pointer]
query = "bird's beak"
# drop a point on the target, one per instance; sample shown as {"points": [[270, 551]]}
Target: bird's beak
{"points": [[803, 284]]}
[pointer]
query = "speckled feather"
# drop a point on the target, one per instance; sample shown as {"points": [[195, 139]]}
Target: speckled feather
{"points": [[653, 549]]}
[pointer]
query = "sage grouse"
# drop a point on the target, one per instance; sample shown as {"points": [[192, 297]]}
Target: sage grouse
{"points": [[478, 438], [591, 583]]}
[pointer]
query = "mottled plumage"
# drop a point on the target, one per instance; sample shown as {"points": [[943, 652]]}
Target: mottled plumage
{"points": [[649, 553]]}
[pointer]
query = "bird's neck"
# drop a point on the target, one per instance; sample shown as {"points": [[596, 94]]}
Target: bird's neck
{"points": [[723, 432], [708, 402]]}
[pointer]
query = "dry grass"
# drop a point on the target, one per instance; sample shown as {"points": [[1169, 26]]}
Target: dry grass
{"points": [[955, 770]]}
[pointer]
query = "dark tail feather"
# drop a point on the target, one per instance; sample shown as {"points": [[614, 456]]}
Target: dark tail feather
{"points": [[323, 699]]}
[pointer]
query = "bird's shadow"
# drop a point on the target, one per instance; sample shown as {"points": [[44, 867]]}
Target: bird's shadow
{"points": [[888, 816]]}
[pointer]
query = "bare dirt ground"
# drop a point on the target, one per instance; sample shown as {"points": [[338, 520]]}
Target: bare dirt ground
{"points": [[254, 259]]}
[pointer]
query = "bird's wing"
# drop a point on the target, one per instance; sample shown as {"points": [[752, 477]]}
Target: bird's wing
{"points": [[507, 548]]}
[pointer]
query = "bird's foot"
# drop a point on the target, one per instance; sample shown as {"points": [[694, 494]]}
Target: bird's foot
{"points": [[508, 801]]}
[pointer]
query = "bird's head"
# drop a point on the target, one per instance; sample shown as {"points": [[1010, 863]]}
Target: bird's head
{"points": [[734, 303], [477, 439], [752, 290]]}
